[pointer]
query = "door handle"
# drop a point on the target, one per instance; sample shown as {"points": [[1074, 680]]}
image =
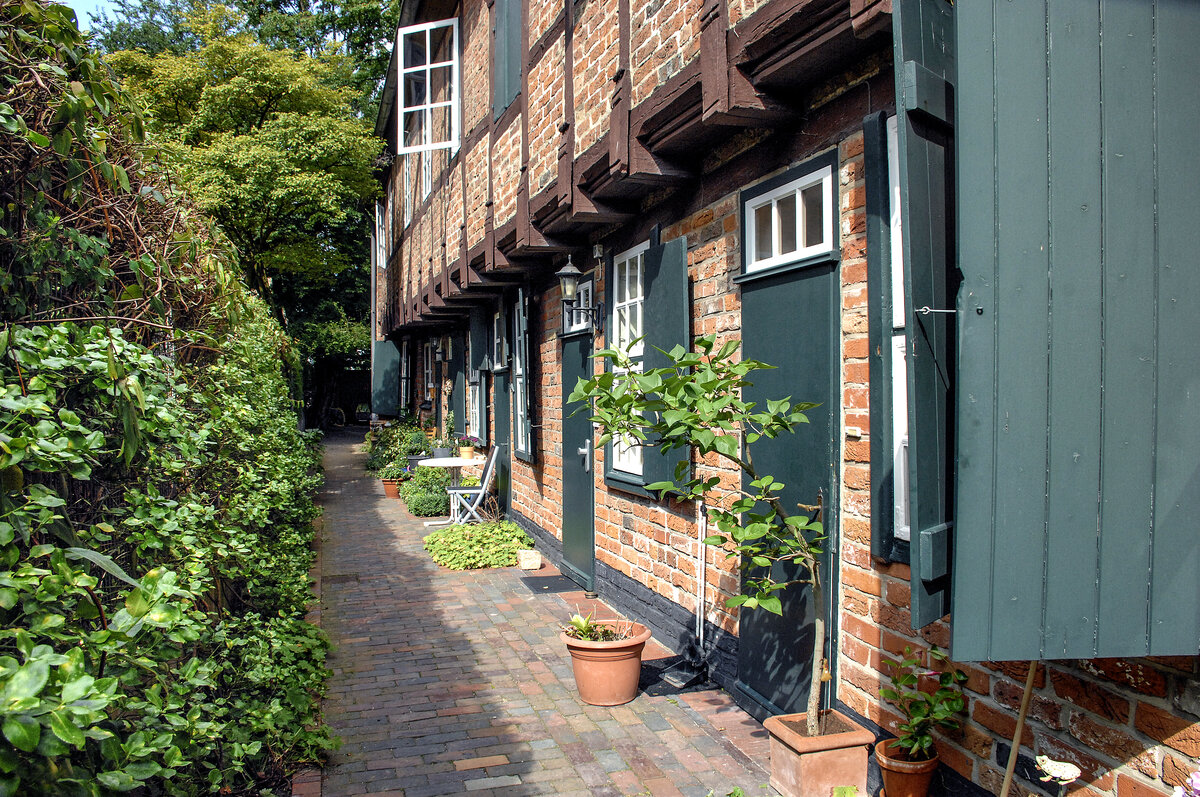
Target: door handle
{"points": [[586, 453]]}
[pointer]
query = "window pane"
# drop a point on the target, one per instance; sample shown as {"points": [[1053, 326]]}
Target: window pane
{"points": [[786, 209], [621, 279], [622, 327], [441, 122], [814, 215], [441, 43], [414, 48], [762, 233], [441, 80]]}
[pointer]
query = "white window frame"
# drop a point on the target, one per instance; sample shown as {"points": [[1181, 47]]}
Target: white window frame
{"points": [[522, 431], [579, 320], [425, 107], [426, 175], [429, 380], [627, 454], [901, 528], [405, 378], [408, 193], [381, 249], [822, 176], [499, 342]]}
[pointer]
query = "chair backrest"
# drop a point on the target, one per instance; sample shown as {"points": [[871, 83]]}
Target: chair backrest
{"points": [[489, 469]]}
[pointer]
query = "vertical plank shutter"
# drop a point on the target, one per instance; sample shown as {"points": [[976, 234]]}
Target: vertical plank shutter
{"points": [[385, 377], [923, 32], [480, 354], [458, 401], [506, 58], [666, 325], [1079, 429]]}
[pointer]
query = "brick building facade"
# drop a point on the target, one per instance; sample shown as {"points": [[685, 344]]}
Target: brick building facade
{"points": [[620, 133]]}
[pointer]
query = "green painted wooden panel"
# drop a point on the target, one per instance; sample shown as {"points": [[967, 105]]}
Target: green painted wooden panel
{"points": [[458, 398], [923, 35], [385, 377], [578, 492], [508, 41], [976, 407], [1022, 290], [1078, 429], [478, 331], [666, 325], [1075, 350], [1174, 597]]}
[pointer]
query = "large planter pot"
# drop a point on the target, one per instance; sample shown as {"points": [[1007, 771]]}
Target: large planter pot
{"points": [[441, 452], [807, 766], [391, 487], [901, 777], [607, 673], [414, 459]]}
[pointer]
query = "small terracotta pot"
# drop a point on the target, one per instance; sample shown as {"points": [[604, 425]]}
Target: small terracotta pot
{"points": [[391, 487], [903, 778], [811, 766], [607, 673], [466, 452]]}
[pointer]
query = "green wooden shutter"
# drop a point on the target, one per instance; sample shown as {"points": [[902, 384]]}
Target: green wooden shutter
{"points": [[1079, 428], [884, 544], [385, 377], [458, 401], [477, 377], [666, 325], [924, 46], [506, 57]]}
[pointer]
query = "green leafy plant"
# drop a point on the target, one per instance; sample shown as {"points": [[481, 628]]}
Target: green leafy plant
{"points": [[394, 470], [427, 504], [473, 546], [585, 628], [415, 444], [936, 702], [695, 403]]}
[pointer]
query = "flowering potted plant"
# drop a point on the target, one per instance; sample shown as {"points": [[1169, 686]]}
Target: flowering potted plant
{"points": [[466, 447], [606, 657], [927, 699]]}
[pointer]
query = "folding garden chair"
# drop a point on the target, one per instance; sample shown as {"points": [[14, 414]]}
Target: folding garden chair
{"points": [[465, 501]]}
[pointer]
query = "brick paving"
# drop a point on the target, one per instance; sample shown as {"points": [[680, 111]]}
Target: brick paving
{"points": [[457, 683]]}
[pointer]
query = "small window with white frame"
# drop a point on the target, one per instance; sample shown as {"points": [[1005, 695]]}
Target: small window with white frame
{"points": [[428, 93], [430, 384], [499, 342], [628, 291], [790, 218], [579, 320]]}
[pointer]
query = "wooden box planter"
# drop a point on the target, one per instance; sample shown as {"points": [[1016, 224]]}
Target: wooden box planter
{"points": [[804, 766]]}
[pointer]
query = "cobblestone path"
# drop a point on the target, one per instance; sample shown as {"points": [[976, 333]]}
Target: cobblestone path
{"points": [[456, 683]]}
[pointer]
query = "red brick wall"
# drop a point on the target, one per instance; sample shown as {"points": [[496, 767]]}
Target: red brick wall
{"points": [[595, 49], [476, 32], [545, 115], [506, 172], [478, 196], [665, 38]]}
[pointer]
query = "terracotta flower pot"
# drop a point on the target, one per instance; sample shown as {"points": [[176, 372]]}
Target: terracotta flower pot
{"points": [[466, 452], [811, 766], [391, 487], [607, 673], [901, 777]]}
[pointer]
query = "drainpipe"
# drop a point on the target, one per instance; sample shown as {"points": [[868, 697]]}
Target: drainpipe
{"points": [[702, 571]]}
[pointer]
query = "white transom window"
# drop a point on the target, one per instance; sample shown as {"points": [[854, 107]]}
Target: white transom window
{"points": [[792, 222]]}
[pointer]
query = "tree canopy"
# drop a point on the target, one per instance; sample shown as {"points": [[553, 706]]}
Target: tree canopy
{"points": [[267, 143]]}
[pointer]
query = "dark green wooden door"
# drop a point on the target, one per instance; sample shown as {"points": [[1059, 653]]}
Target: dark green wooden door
{"points": [[1079, 338], [788, 321], [578, 527]]}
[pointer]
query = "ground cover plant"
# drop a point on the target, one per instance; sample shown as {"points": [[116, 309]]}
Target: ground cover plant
{"points": [[156, 497], [425, 493], [473, 546]]}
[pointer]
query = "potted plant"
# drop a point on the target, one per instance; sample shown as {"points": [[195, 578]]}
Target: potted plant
{"points": [[663, 407], [414, 448], [392, 474], [443, 447], [927, 699], [466, 447], [606, 657]]}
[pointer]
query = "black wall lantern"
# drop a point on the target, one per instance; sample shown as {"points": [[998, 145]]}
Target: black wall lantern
{"points": [[568, 283]]}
